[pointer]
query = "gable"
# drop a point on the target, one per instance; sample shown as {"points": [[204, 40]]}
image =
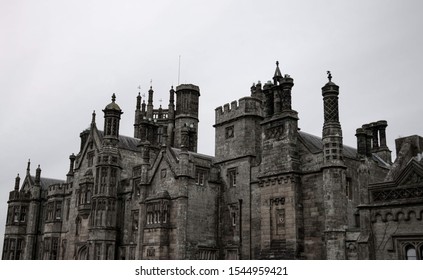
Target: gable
{"points": [[411, 175], [93, 138], [164, 161]]}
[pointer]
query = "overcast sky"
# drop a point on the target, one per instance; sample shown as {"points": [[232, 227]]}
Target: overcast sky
{"points": [[60, 60]]}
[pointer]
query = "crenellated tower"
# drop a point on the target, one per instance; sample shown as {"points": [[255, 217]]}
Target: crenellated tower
{"points": [[334, 179]]}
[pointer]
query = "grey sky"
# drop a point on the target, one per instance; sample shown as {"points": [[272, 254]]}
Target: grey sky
{"points": [[60, 60]]}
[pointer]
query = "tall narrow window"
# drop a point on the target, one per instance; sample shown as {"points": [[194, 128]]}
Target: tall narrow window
{"points": [[348, 189], [90, 159], [54, 247], [67, 208], [410, 252], [58, 211], [16, 214], [50, 207], [23, 214], [97, 251], [199, 176], [113, 176], [232, 177]]}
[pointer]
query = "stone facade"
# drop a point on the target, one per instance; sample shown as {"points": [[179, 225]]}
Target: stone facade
{"points": [[270, 192]]}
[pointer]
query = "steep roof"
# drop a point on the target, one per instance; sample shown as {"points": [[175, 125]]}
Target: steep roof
{"points": [[46, 182], [315, 145], [125, 142], [177, 151]]}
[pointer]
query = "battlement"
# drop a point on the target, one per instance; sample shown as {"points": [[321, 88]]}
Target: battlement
{"points": [[19, 195], [246, 106], [188, 87], [59, 189]]}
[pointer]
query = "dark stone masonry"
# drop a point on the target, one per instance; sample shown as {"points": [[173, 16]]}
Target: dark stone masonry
{"points": [[270, 192]]}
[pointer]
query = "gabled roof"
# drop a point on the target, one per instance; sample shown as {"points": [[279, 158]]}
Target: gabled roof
{"points": [[45, 182]]}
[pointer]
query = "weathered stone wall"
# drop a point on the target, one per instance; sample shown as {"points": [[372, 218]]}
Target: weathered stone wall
{"points": [[313, 216], [394, 227]]}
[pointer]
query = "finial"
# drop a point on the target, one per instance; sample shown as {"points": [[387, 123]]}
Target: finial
{"points": [[277, 63], [28, 167], [329, 76], [113, 97], [93, 118]]}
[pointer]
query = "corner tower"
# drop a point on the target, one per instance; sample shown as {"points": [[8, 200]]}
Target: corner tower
{"points": [[102, 223], [334, 180], [187, 102]]}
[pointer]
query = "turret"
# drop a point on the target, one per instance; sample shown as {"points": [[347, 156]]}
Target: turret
{"points": [[171, 117], [112, 114], [150, 104], [138, 116], [70, 174], [17, 182], [334, 179], [332, 132], [38, 176], [187, 103], [103, 216]]}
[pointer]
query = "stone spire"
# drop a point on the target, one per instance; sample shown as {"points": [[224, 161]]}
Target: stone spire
{"points": [[93, 119], [28, 167], [277, 77]]}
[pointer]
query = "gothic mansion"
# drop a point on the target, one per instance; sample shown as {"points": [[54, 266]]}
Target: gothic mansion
{"points": [[270, 191]]}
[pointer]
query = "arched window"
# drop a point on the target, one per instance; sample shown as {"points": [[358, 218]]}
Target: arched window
{"points": [[410, 253]]}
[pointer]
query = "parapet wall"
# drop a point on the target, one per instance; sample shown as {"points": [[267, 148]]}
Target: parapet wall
{"points": [[59, 189], [188, 87], [246, 106]]}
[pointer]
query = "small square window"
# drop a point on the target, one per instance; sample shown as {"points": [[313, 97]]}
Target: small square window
{"points": [[229, 132]]}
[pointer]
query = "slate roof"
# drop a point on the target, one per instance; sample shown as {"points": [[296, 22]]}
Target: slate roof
{"points": [[315, 145], [125, 142], [46, 182], [177, 151]]}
